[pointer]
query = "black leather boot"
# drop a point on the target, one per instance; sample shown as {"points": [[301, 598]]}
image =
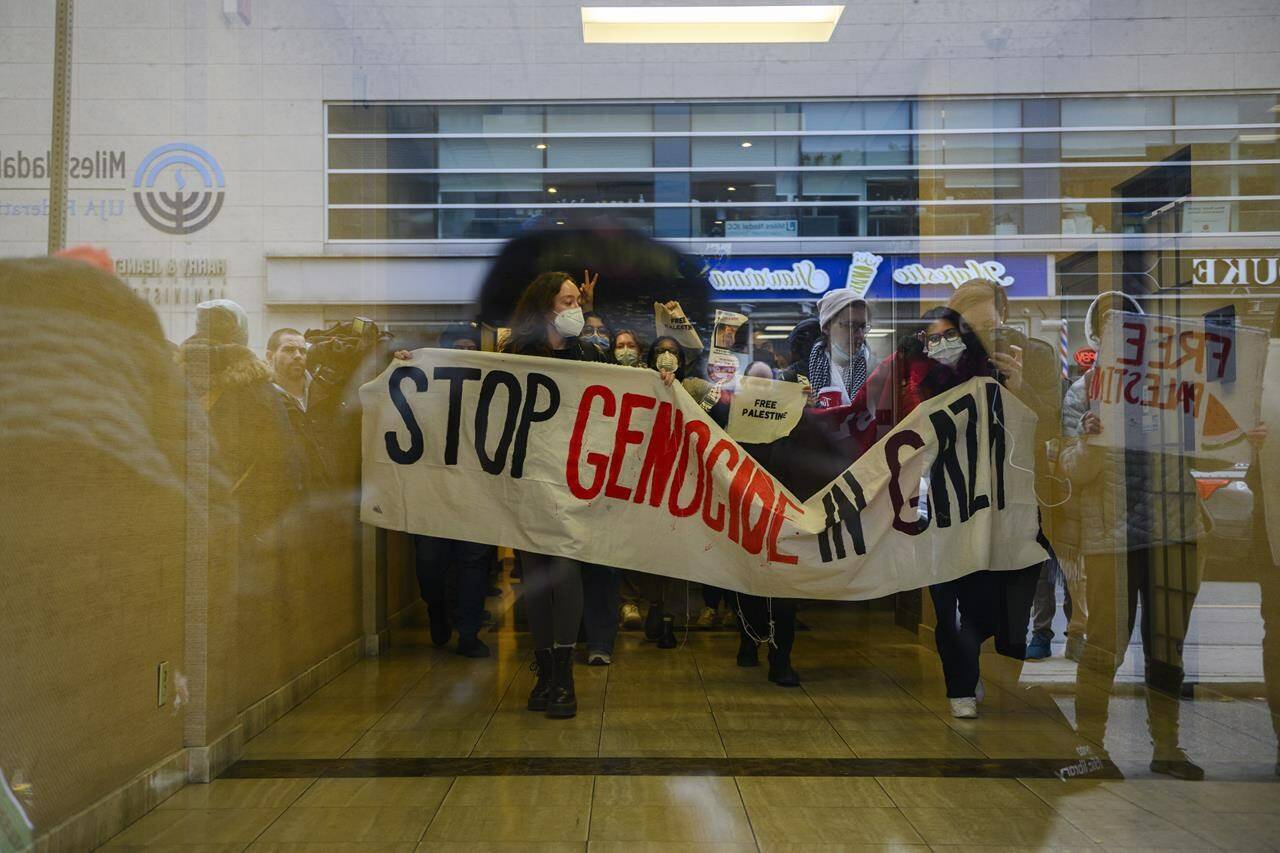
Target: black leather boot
{"points": [[563, 701], [441, 630], [544, 669], [668, 638], [780, 671], [653, 622]]}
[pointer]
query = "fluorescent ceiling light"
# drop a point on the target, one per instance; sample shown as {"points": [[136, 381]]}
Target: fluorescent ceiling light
{"points": [[708, 24], [1258, 137]]}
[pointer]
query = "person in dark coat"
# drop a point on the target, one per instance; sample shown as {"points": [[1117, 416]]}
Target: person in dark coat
{"points": [[547, 322]]}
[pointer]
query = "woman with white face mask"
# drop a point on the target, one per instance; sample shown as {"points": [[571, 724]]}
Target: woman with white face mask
{"points": [[626, 348], [940, 355], [547, 321]]}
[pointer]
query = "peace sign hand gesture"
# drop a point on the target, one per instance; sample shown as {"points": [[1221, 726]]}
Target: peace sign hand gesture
{"points": [[588, 289]]}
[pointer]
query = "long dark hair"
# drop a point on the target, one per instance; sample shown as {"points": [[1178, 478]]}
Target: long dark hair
{"points": [[972, 363], [529, 320]]}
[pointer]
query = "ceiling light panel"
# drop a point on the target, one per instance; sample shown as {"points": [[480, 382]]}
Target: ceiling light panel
{"points": [[708, 24]]}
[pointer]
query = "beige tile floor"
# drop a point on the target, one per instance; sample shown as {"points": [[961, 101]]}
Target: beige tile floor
{"points": [[870, 692]]}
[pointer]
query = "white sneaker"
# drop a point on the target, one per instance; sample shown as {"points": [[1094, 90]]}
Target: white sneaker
{"points": [[978, 692], [965, 709], [707, 618]]}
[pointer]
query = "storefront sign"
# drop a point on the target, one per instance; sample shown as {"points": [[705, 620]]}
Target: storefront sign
{"points": [[1242, 272], [175, 281], [1085, 357], [781, 228], [883, 276], [1206, 217]]}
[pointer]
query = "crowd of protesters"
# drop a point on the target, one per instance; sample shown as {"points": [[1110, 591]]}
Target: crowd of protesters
{"points": [[275, 422]]}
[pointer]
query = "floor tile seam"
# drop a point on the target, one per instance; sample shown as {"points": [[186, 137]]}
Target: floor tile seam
{"points": [[1083, 830], [515, 674], [747, 812], [270, 824], [439, 808], [830, 725], [591, 805], [373, 724], [702, 683]]}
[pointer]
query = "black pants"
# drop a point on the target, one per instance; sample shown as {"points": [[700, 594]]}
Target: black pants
{"points": [[755, 618], [975, 608], [433, 558], [552, 590], [712, 596], [600, 603]]}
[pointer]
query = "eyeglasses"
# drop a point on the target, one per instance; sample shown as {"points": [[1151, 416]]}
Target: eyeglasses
{"points": [[950, 335], [852, 325]]}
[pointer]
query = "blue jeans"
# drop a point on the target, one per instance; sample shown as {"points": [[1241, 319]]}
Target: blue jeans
{"points": [[433, 557], [600, 603], [1045, 605]]}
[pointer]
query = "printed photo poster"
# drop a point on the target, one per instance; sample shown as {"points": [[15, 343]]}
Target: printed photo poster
{"points": [[764, 410], [669, 321], [1177, 385], [724, 363]]}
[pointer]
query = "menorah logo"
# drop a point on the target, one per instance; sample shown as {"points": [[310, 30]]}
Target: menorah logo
{"points": [[182, 211]]}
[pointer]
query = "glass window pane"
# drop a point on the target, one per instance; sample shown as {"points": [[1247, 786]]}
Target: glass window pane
{"points": [[599, 118], [746, 151], [381, 224], [382, 153], [381, 118], [382, 189], [745, 117], [491, 118], [489, 154], [603, 153]]}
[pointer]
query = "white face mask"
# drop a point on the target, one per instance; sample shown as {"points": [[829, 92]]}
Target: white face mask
{"points": [[626, 357], [569, 323], [946, 352], [667, 361]]}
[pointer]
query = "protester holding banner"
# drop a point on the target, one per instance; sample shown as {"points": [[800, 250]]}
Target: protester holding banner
{"points": [[1135, 525], [667, 357], [840, 360], [942, 354], [595, 331], [437, 557], [1028, 366], [626, 348], [547, 322]]}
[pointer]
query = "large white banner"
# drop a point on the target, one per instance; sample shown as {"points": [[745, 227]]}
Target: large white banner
{"points": [[1177, 385], [607, 465]]}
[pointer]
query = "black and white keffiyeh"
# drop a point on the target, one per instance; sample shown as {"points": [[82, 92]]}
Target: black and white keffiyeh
{"points": [[854, 374]]}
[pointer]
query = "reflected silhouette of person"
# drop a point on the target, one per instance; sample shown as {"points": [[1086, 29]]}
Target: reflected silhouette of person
{"points": [[1137, 542], [1264, 470]]}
